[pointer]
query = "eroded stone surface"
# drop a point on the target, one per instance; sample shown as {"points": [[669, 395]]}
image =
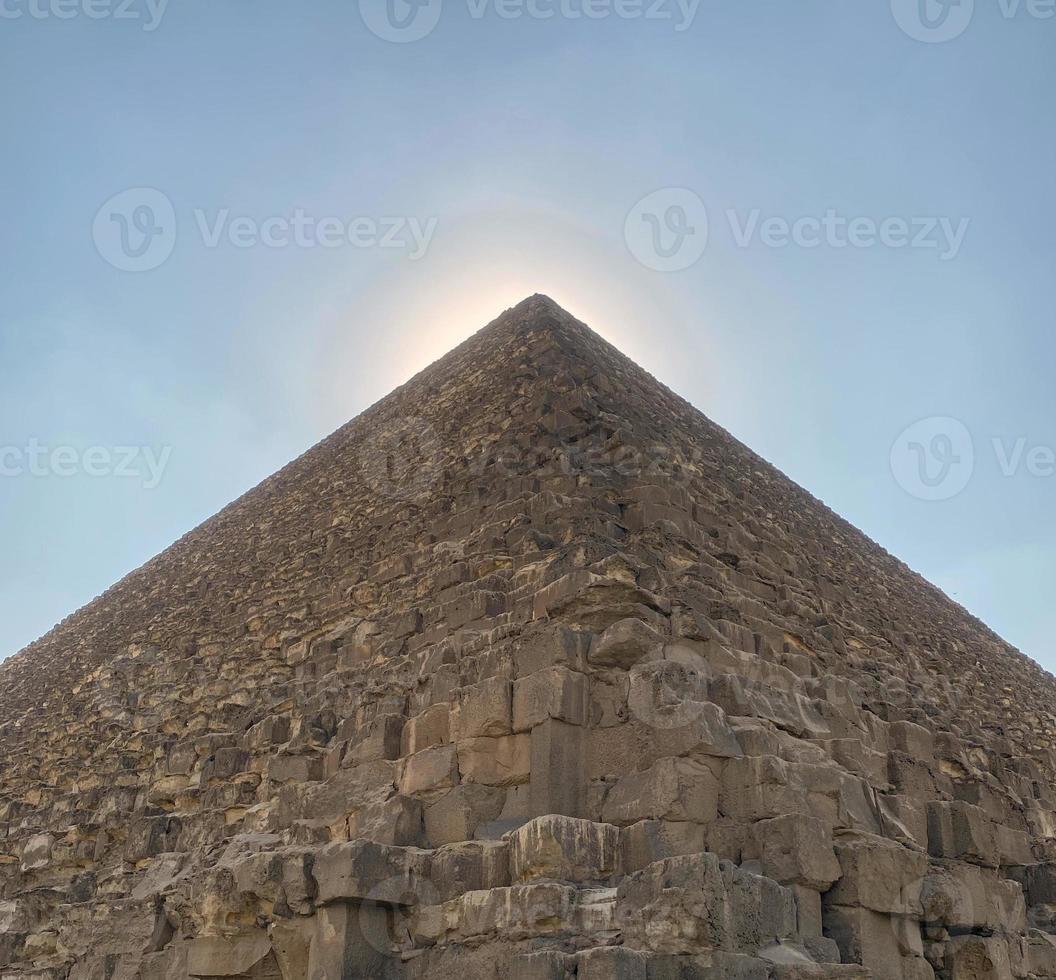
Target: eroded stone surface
{"points": [[529, 671]]}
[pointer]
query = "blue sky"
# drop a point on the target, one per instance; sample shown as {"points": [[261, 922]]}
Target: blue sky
{"points": [[500, 155]]}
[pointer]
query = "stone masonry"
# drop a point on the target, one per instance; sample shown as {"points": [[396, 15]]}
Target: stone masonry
{"points": [[530, 671]]}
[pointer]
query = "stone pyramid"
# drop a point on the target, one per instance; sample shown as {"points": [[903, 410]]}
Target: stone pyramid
{"points": [[529, 671]]}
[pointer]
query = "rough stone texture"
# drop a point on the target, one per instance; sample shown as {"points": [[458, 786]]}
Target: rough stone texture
{"points": [[529, 671]]}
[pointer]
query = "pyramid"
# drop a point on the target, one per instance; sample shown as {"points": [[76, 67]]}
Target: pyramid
{"points": [[528, 671]]}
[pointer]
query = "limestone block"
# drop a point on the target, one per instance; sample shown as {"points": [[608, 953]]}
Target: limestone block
{"points": [[610, 963], [426, 730], [290, 942], [557, 764], [914, 740], [911, 776], [518, 912], [758, 787], [378, 739], [225, 763], [713, 965], [350, 940], [862, 760], [694, 903], [168, 964], [978, 958], [329, 802], [394, 821], [671, 699], [469, 866], [37, 852], [1013, 846], [796, 850], [626, 643], [555, 645], [273, 730], [457, 814], [904, 819], [820, 971], [483, 710], [808, 912], [504, 761], [881, 943], [961, 831], [788, 710], [1041, 954], [564, 848], [546, 964], [288, 768], [963, 896], [647, 841], [878, 874], [358, 870], [1040, 883], [672, 789], [150, 836], [430, 772], [555, 692], [218, 956]]}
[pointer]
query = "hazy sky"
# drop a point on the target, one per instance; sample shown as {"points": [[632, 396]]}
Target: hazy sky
{"points": [[228, 227]]}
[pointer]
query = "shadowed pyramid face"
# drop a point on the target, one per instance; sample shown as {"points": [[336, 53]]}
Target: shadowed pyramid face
{"points": [[529, 670]]}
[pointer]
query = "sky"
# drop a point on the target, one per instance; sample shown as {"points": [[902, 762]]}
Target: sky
{"points": [[230, 227]]}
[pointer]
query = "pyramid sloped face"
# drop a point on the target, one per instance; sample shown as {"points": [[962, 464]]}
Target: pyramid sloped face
{"points": [[529, 670]]}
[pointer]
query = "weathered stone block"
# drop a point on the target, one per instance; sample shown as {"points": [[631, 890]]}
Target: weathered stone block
{"points": [[469, 866], [457, 814], [483, 710], [427, 730], [758, 788], [358, 870], [672, 789], [880, 943], [504, 761], [693, 903], [610, 963], [557, 767], [647, 841], [429, 772], [961, 831], [37, 852], [564, 848], [878, 874], [796, 850], [978, 958], [625, 643], [555, 692], [216, 956]]}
